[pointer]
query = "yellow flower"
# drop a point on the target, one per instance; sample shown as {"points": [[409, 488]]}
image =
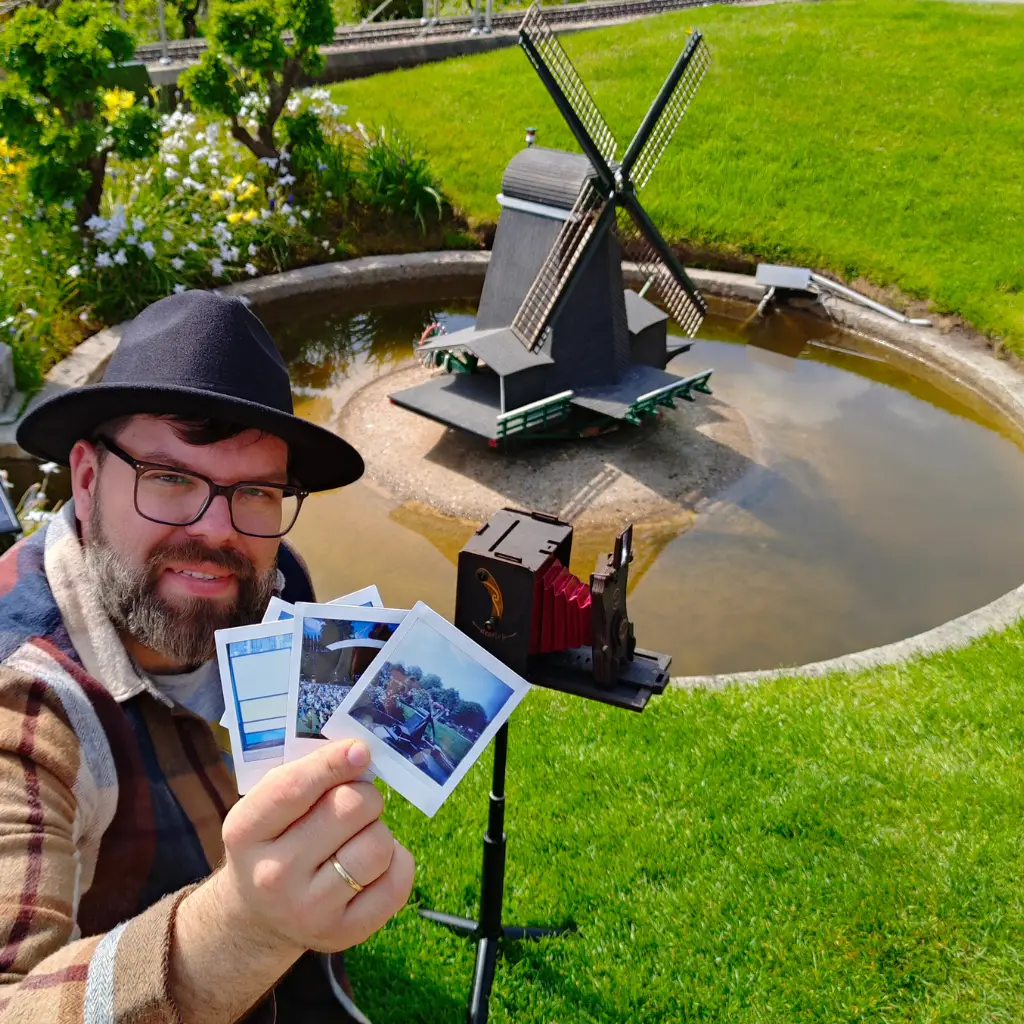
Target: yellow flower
{"points": [[234, 218], [247, 193], [217, 196], [235, 181], [249, 215], [115, 101], [7, 151]]}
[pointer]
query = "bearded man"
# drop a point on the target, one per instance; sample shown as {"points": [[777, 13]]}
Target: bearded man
{"points": [[135, 885]]}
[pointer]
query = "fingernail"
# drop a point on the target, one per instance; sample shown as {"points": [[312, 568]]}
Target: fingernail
{"points": [[358, 755]]}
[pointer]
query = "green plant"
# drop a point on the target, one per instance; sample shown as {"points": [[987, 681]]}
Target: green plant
{"points": [[249, 72], [55, 106], [398, 180]]}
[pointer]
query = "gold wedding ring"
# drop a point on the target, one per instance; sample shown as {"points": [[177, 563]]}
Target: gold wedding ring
{"points": [[344, 874]]}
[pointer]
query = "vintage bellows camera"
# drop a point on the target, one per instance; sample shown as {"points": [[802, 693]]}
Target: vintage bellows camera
{"points": [[517, 599]]}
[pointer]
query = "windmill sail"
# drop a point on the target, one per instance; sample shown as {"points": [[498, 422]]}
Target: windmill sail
{"points": [[662, 120], [581, 226], [563, 81], [671, 285]]}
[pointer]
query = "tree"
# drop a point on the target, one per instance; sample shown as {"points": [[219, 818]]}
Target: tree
{"points": [[56, 108], [448, 698], [470, 715], [431, 682], [249, 70], [188, 11]]}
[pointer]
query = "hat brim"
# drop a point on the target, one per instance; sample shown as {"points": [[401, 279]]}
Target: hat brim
{"points": [[318, 458]]}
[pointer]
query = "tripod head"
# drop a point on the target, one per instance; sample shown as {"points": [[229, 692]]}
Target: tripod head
{"points": [[517, 598]]}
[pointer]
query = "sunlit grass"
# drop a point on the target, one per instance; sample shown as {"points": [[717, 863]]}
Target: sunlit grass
{"points": [[874, 139], [838, 850]]}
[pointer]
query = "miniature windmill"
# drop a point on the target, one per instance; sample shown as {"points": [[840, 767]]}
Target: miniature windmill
{"points": [[557, 338]]}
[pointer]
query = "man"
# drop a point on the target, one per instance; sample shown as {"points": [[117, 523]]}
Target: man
{"points": [[134, 883]]}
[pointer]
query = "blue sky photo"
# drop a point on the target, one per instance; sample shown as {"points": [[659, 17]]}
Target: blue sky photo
{"points": [[434, 653]]}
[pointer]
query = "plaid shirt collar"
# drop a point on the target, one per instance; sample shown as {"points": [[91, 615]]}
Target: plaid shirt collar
{"points": [[91, 632]]}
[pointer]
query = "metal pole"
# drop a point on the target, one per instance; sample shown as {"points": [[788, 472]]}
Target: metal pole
{"points": [[165, 57], [475, 18], [488, 15], [849, 293], [120, 9]]}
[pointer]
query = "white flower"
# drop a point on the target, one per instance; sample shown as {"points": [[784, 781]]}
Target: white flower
{"points": [[178, 263], [67, 205], [292, 222], [31, 312], [196, 218], [329, 194], [167, 236], [10, 236], [149, 249], [253, 248], [326, 244], [305, 213], [120, 257], [179, 288], [217, 267], [192, 246], [170, 174], [169, 158], [96, 222], [84, 315], [104, 260], [131, 240], [293, 104], [138, 224], [286, 179], [74, 271], [286, 209], [251, 270]]}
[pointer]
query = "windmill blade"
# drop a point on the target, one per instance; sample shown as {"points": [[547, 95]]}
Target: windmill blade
{"points": [[571, 97], [662, 120], [591, 213], [672, 285]]}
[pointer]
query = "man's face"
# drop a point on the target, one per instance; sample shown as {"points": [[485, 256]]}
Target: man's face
{"points": [[170, 587]]}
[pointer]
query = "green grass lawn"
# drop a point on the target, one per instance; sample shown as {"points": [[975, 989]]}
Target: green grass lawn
{"points": [[838, 850], [874, 139]]}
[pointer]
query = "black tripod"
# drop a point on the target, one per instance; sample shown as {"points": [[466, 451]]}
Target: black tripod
{"points": [[489, 929]]}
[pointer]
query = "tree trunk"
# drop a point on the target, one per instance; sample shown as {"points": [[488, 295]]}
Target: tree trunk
{"points": [[258, 146], [189, 26], [90, 204]]}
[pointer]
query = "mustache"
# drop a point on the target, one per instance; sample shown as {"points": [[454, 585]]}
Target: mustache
{"points": [[196, 551]]}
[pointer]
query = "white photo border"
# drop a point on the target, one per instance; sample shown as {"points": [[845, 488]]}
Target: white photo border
{"points": [[387, 764], [247, 773]]}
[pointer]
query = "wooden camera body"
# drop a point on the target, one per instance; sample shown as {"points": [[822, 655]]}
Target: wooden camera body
{"points": [[517, 599]]}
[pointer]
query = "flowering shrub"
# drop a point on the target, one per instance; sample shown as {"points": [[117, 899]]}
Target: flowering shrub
{"points": [[55, 106], [250, 69], [202, 213]]}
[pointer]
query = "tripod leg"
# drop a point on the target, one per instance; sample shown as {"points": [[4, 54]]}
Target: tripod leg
{"points": [[462, 925], [483, 979], [511, 931]]}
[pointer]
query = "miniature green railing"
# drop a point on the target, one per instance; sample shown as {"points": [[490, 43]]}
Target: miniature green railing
{"points": [[651, 403], [536, 414], [449, 361]]}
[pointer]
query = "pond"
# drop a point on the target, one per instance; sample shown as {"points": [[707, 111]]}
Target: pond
{"points": [[880, 505]]}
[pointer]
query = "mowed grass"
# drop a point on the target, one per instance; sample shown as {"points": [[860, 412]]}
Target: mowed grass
{"points": [[873, 139], [838, 850]]}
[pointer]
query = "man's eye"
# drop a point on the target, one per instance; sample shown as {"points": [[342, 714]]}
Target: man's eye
{"points": [[260, 493], [173, 479]]}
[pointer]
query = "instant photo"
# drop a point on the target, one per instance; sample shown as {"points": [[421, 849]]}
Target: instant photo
{"points": [[254, 663], [332, 645], [278, 610], [427, 707]]}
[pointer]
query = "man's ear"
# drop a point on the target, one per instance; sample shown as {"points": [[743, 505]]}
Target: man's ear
{"points": [[84, 462]]}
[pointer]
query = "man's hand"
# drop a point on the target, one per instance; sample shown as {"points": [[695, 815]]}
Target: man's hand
{"points": [[278, 893]]}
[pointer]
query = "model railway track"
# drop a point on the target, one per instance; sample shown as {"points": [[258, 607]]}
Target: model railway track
{"points": [[390, 33]]}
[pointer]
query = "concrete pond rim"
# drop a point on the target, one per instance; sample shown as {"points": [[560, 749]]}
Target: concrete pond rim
{"points": [[963, 362]]}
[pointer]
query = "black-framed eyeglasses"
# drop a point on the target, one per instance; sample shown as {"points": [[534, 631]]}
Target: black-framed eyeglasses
{"points": [[173, 496]]}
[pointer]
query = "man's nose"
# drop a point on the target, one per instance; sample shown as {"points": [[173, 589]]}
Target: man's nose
{"points": [[215, 523]]}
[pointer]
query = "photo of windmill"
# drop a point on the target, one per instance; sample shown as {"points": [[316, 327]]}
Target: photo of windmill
{"points": [[560, 347]]}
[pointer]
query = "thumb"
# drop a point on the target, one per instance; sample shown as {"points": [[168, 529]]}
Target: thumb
{"points": [[288, 791]]}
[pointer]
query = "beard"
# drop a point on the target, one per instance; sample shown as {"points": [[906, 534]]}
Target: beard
{"points": [[182, 631]]}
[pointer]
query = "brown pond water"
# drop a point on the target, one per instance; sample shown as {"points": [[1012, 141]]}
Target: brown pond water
{"points": [[886, 503]]}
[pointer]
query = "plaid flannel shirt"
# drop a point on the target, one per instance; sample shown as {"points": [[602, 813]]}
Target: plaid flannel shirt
{"points": [[111, 801]]}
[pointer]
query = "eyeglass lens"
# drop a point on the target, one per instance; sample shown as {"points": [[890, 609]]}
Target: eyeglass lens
{"points": [[261, 510]]}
